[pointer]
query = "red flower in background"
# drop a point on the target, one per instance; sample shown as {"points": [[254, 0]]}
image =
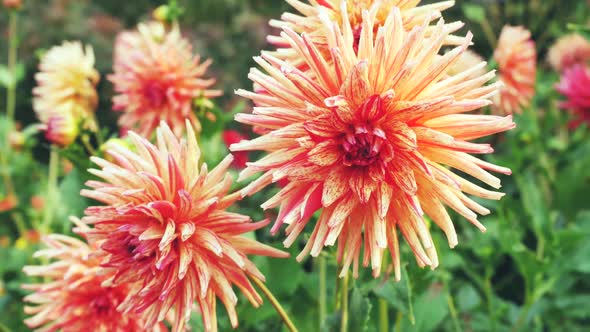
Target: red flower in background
{"points": [[575, 86], [231, 137]]}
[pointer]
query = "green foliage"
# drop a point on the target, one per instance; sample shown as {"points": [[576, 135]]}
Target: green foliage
{"points": [[529, 272]]}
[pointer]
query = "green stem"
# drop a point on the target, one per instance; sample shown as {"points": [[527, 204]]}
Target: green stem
{"points": [[489, 33], [322, 290], [383, 316], [344, 305], [275, 303], [453, 311], [20, 223], [51, 189], [12, 47]]}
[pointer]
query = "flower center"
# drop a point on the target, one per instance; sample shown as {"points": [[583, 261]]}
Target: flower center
{"points": [[155, 93], [362, 145], [102, 304]]}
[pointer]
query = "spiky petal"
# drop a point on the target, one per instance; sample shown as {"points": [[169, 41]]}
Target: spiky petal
{"points": [[365, 135], [166, 230]]}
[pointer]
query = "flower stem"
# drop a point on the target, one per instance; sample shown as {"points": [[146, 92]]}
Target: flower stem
{"points": [[322, 291], [275, 303], [383, 316], [344, 305], [12, 47], [51, 189]]}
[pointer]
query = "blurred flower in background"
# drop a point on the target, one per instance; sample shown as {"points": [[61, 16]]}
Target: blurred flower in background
{"points": [[73, 296], [65, 96], [231, 137], [157, 78], [569, 50], [310, 17], [166, 231], [517, 66], [364, 134], [467, 62], [575, 86]]}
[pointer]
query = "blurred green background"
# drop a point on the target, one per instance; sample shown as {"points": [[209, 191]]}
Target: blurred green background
{"points": [[529, 272]]}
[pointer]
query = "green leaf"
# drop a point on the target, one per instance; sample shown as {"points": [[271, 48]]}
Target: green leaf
{"points": [[533, 201], [430, 310], [359, 311], [475, 13]]}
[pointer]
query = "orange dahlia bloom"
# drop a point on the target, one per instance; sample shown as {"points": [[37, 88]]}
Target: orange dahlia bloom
{"points": [[74, 297], [517, 66], [569, 50], [66, 85], [368, 137], [310, 17], [157, 78], [166, 230]]}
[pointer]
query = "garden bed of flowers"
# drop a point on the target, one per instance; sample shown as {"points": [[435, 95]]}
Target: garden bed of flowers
{"points": [[298, 165]]}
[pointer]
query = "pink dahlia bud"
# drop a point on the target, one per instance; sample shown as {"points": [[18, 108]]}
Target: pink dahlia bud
{"points": [[164, 224], [61, 130], [231, 137], [517, 67], [569, 50], [574, 86], [368, 134]]}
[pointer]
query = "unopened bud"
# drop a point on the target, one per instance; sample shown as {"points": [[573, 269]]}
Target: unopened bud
{"points": [[12, 4], [62, 130], [16, 139]]}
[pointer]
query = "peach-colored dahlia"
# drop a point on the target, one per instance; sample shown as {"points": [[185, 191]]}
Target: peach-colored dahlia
{"points": [[517, 66], [469, 59], [157, 78], [569, 50], [368, 137], [575, 86], [166, 230], [66, 84], [73, 296], [311, 13]]}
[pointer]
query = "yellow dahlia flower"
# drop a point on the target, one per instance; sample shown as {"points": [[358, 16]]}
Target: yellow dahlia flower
{"points": [[166, 230], [66, 84], [157, 78], [368, 136], [568, 51]]}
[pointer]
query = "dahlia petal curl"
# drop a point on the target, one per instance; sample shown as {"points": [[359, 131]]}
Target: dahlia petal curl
{"points": [[157, 78], [369, 136], [73, 298], [165, 230]]}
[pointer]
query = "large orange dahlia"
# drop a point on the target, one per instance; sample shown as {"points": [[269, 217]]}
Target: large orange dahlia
{"points": [[73, 297], [157, 78], [166, 231], [313, 12], [517, 67], [369, 136]]}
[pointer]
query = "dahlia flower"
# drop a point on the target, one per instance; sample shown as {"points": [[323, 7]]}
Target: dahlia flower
{"points": [[368, 137], [165, 229], [310, 16], [469, 59], [66, 84], [73, 297], [569, 50], [157, 78], [230, 137], [574, 85], [517, 66]]}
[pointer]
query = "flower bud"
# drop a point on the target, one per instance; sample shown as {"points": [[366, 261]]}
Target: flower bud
{"points": [[37, 203], [62, 129], [16, 139], [8, 203]]}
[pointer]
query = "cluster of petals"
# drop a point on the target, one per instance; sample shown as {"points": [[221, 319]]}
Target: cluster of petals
{"points": [[66, 89], [517, 67], [73, 298], [575, 86], [311, 13], [166, 231], [368, 135], [569, 50], [157, 78]]}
